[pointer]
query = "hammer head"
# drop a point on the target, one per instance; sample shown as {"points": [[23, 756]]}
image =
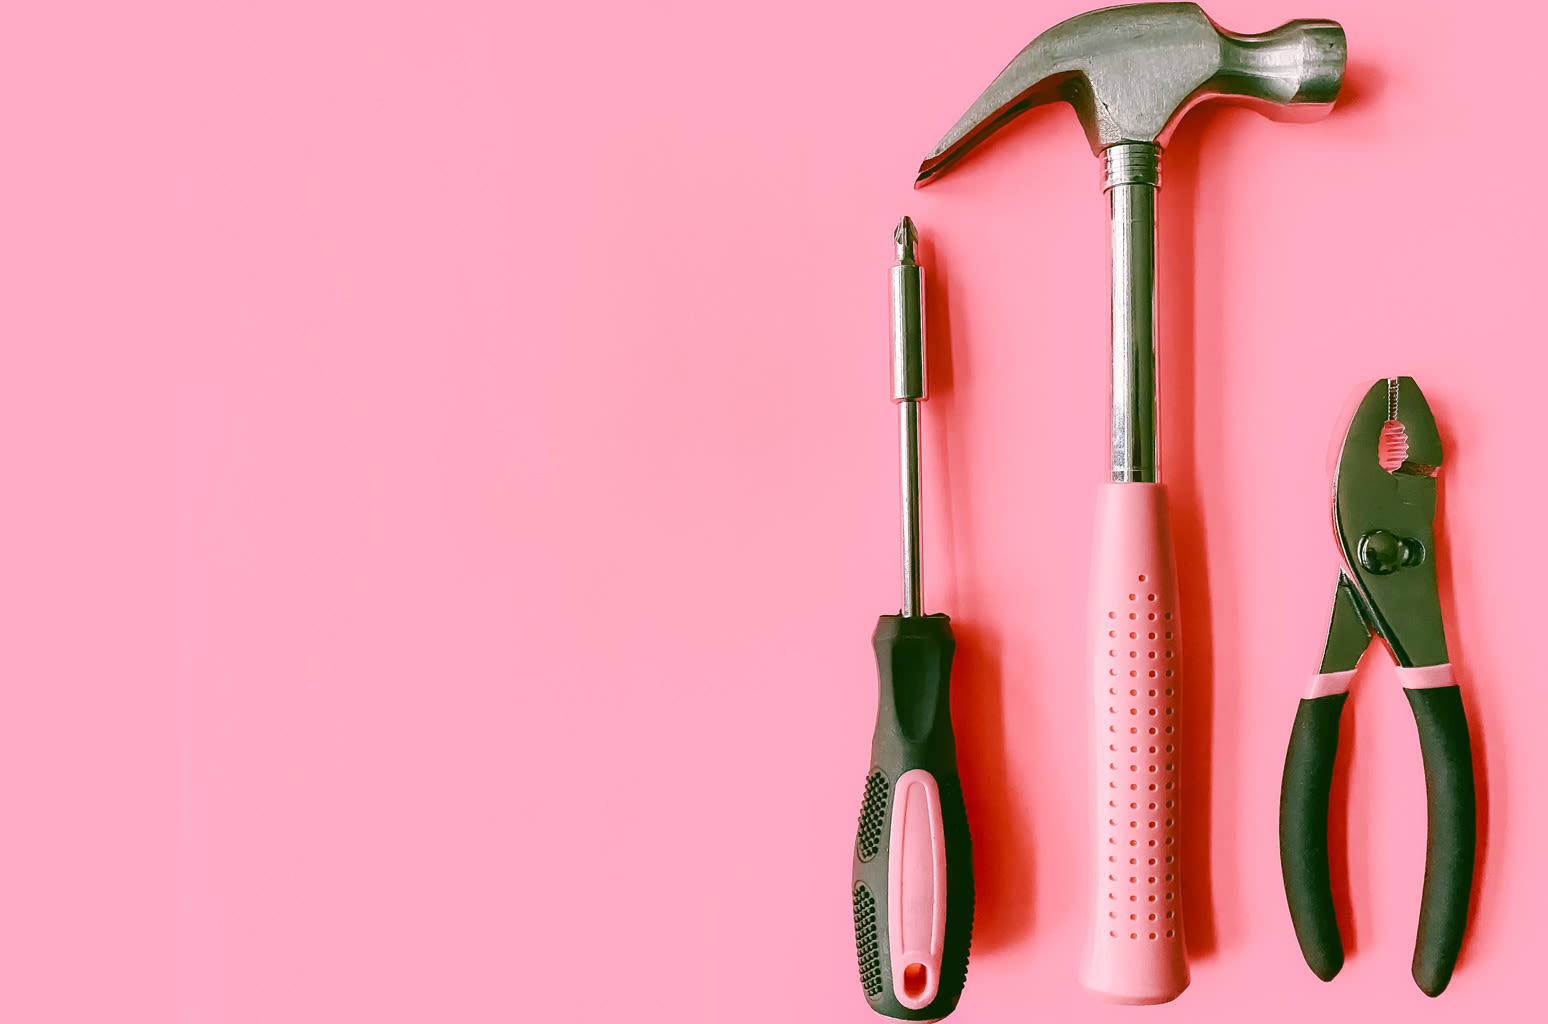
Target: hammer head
{"points": [[1132, 72]]}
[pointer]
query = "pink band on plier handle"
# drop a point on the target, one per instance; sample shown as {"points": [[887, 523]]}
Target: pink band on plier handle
{"points": [[1325, 684], [916, 882], [1426, 677]]}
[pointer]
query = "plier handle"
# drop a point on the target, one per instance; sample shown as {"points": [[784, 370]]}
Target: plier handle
{"points": [[1384, 495]]}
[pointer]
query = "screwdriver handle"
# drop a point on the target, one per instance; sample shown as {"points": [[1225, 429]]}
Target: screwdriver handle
{"points": [[913, 866], [1135, 951]]}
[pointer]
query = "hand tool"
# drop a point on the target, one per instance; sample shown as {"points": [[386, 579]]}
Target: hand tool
{"points": [[1383, 506], [1131, 73], [913, 871]]}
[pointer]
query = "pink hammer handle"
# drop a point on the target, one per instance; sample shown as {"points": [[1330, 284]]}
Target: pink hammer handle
{"points": [[1135, 952]]}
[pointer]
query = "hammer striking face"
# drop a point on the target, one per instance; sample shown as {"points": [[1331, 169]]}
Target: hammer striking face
{"points": [[1132, 72]]}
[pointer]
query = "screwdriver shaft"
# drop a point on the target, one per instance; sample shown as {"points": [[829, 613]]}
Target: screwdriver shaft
{"points": [[908, 390], [913, 599]]}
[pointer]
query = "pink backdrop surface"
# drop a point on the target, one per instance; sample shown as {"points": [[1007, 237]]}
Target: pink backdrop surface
{"points": [[540, 494]]}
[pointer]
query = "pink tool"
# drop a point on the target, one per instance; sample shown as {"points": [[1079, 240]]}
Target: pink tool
{"points": [[1137, 946], [1131, 73]]}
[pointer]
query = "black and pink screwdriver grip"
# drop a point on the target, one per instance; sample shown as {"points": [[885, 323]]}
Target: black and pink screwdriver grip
{"points": [[913, 869]]}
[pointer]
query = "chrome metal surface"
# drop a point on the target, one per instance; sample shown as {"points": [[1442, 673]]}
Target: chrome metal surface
{"points": [[1348, 632], [913, 593], [908, 390], [1385, 523], [908, 367], [1131, 176], [1132, 72]]}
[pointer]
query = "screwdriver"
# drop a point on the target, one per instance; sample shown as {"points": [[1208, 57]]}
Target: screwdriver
{"points": [[913, 869]]}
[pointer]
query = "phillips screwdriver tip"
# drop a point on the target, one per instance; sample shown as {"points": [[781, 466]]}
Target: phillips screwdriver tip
{"points": [[905, 236]]}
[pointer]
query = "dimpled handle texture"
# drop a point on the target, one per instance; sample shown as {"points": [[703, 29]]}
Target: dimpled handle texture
{"points": [[913, 754], [1135, 952]]}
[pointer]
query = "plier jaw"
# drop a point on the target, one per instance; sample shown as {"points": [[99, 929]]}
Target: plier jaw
{"points": [[1384, 492]]}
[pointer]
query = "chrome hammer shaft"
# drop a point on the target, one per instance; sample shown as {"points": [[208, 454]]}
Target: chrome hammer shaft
{"points": [[1131, 178], [908, 390]]}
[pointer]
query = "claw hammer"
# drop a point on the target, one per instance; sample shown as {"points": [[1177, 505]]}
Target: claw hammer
{"points": [[1131, 73]]}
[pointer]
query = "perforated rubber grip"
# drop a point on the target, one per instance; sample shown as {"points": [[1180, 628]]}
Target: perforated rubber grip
{"points": [[1135, 950], [912, 883]]}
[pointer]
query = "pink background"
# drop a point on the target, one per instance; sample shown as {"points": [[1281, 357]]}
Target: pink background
{"points": [[537, 499]]}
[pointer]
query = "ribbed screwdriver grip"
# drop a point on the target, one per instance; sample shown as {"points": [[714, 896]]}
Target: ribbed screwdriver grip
{"points": [[912, 881]]}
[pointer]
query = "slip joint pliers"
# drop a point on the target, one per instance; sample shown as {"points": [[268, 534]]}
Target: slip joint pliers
{"points": [[1384, 494]]}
